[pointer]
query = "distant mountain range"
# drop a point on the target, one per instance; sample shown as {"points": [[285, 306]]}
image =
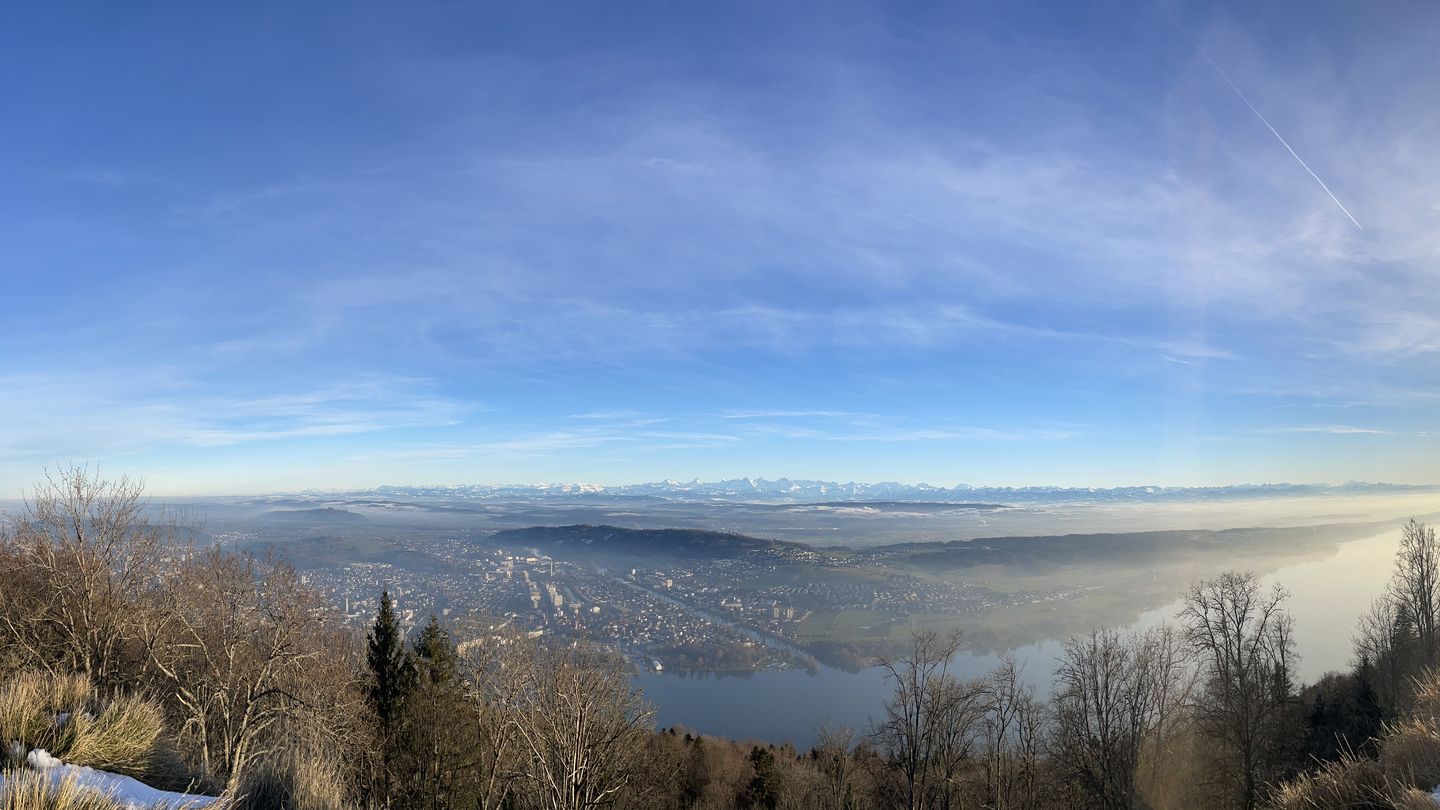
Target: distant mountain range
{"points": [[790, 490]]}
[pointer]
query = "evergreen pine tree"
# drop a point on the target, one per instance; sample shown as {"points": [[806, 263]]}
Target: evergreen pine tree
{"points": [[1370, 716], [389, 666], [435, 653], [697, 771], [1404, 641], [760, 794], [1319, 729], [435, 753], [390, 681]]}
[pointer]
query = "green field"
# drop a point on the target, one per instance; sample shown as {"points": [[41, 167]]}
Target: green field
{"points": [[854, 625]]}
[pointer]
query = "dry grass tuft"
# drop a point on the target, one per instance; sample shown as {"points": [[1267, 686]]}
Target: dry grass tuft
{"points": [[1351, 782], [68, 718], [30, 702], [1425, 695], [119, 739], [1412, 799], [1410, 754], [292, 779], [32, 790]]}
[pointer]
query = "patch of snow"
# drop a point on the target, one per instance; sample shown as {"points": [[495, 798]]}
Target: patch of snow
{"points": [[40, 759], [132, 794]]}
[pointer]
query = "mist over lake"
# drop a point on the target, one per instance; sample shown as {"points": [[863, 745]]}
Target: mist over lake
{"points": [[1327, 596]]}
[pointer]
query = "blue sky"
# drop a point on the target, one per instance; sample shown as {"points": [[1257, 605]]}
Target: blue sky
{"points": [[293, 245]]}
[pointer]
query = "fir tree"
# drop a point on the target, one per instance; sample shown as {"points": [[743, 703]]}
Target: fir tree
{"points": [[697, 771], [389, 666], [1370, 716], [391, 681], [760, 793], [435, 653], [436, 755], [1320, 738]]}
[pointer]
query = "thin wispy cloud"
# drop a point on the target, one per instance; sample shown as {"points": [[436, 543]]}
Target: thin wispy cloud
{"points": [[114, 178], [60, 421], [787, 414], [628, 261], [1332, 430], [958, 434], [628, 416]]}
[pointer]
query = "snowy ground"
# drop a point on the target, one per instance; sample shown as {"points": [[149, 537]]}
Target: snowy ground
{"points": [[130, 793]]}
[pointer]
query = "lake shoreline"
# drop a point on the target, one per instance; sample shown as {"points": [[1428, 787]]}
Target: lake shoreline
{"points": [[788, 705]]}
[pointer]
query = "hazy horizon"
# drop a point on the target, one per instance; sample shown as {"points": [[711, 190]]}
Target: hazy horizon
{"points": [[1385, 487]]}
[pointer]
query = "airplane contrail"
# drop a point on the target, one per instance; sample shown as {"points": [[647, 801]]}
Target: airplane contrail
{"points": [[1226, 76], [1280, 138]]}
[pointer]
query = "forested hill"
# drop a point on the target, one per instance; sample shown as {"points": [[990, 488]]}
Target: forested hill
{"points": [[1071, 549], [1019, 551], [640, 542], [325, 515]]}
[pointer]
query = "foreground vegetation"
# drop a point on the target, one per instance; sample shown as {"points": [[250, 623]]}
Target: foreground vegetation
{"points": [[126, 648]]}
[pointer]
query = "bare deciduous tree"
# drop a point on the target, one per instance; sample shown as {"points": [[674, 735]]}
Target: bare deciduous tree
{"points": [[234, 644], [493, 670], [1172, 682], [1113, 694], [1416, 585], [929, 725], [833, 756], [580, 726], [1012, 726], [1241, 635], [96, 581], [1385, 648], [84, 551]]}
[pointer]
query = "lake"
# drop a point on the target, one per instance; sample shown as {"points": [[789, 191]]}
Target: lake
{"points": [[1327, 597]]}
